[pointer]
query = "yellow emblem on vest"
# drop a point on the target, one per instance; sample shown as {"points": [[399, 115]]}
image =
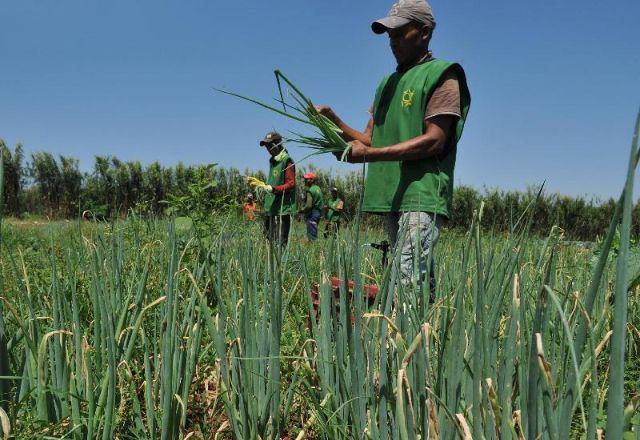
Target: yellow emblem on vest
{"points": [[407, 98]]}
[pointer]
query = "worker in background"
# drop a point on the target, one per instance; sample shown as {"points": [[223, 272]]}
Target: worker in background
{"points": [[313, 204], [249, 208], [334, 213], [280, 200]]}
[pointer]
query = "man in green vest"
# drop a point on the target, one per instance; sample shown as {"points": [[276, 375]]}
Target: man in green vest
{"points": [[313, 205], [280, 200], [411, 140], [334, 213]]}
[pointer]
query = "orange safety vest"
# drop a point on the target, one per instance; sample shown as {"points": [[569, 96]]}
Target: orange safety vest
{"points": [[249, 210]]}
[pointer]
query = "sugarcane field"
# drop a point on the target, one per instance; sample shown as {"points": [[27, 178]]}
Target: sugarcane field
{"points": [[403, 220]]}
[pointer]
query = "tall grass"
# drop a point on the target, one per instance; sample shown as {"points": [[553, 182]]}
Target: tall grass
{"points": [[107, 331], [250, 363], [5, 369], [123, 350]]}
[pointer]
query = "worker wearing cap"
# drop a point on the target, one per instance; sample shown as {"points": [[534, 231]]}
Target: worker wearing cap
{"points": [[411, 140], [249, 208], [280, 200], [313, 205], [334, 213]]}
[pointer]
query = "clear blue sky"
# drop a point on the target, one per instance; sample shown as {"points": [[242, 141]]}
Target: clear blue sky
{"points": [[555, 84]]}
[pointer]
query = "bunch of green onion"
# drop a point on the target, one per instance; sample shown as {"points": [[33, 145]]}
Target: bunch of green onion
{"points": [[327, 137]]}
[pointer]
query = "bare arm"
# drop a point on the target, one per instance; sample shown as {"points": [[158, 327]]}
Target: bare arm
{"points": [[348, 133], [432, 143]]}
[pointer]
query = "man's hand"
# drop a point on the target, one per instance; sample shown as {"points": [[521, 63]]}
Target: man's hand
{"points": [[268, 188], [328, 112], [359, 152], [347, 133]]}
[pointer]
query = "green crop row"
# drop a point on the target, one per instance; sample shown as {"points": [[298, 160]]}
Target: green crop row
{"points": [[139, 329]]}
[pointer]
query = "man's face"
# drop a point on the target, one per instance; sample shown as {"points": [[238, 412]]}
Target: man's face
{"points": [[334, 194], [274, 148], [308, 182], [408, 42]]}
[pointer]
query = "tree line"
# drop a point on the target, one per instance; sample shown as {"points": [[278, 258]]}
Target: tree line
{"points": [[46, 185]]}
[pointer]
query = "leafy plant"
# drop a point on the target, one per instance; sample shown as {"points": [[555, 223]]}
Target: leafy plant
{"points": [[199, 201]]}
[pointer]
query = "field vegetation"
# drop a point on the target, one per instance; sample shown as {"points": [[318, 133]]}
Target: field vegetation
{"points": [[133, 329], [45, 186], [160, 328]]}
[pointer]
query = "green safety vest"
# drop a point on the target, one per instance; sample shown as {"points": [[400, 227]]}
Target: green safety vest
{"points": [[316, 197], [399, 110], [332, 214], [284, 203]]}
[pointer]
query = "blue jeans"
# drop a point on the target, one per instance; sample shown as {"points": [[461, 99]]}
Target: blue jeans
{"points": [[420, 232], [313, 218]]}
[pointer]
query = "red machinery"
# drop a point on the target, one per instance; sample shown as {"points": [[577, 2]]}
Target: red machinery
{"points": [[370, 290]]}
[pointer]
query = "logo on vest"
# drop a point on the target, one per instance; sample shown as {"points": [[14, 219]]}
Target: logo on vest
{"points": [[407, 98]]}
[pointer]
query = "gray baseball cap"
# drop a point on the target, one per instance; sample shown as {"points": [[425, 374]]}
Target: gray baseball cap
{"points": [[273, 137], [403, 12]]}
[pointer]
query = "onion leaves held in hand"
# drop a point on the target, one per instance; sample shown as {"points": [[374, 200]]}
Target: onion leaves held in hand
{"points": [[326, 138], [256, 183]]}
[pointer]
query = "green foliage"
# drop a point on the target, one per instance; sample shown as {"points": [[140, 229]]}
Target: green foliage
{"points": [[326, 137], [5, 367], [14, 176], [199, 202], [183, 226], [55, 187], [270, 368], [198, 197], [117, 330]]}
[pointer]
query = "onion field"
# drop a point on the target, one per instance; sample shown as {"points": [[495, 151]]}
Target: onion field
{"points": [[136, 330], [145, 328]]}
